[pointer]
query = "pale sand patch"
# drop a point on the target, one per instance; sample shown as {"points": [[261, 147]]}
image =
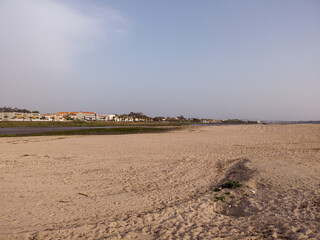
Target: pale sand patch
{"points": [[160, 186]]}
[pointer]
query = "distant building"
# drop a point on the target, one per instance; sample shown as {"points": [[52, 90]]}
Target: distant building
{"points": [[83, 116], [47, 117], [101, 117], [59, 116], [34, 116], [19, 116], [112, 117]]}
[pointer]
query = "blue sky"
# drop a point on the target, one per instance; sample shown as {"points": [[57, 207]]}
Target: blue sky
{"points": [[214, 59]]}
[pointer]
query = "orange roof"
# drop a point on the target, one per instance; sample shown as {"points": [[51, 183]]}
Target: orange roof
{"points": [[73, 113], [89, 112]]}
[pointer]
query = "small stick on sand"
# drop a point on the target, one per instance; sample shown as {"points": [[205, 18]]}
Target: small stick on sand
{"points": [[83, 194]]}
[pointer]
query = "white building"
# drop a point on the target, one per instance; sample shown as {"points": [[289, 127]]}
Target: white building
{"points": [[19, 116], [101, 117], [111, 117]]}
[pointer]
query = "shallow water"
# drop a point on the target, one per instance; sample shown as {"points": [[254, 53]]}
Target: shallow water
{"points": [[28, 130]]}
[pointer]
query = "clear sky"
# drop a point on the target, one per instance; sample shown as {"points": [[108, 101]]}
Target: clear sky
{"points": [[215, 59]]}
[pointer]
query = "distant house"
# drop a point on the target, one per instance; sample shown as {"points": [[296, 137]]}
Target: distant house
{"points": [[47, 116], [83, 116], [89, 116], [112, 117], [101, 117], [18, 116], [74, 115], [6, 116], [61, 113], [60, 116], [34, 116]]}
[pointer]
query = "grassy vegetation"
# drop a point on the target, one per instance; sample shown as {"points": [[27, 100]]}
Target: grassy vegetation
{"points": [[231, 184], [221, 198], [97, 131], [8, 124]]}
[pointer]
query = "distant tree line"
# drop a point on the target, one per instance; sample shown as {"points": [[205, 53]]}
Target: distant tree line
{"points": [[21, 110], [237, 121], [140, 115]]}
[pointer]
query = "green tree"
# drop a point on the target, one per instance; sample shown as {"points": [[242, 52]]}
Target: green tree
{"points": [[181, 118], [158, 119]]}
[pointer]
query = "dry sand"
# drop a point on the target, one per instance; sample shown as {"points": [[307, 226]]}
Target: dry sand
{"points": [[160, 186]]}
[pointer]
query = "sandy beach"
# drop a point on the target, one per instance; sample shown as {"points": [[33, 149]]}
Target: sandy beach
{"points": [[161, 185]]}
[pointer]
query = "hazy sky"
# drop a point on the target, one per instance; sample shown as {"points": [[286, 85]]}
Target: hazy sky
{"points": [[217, 59]]}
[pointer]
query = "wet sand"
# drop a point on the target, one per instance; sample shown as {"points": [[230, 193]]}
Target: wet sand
{"points": [[161, 186]]}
